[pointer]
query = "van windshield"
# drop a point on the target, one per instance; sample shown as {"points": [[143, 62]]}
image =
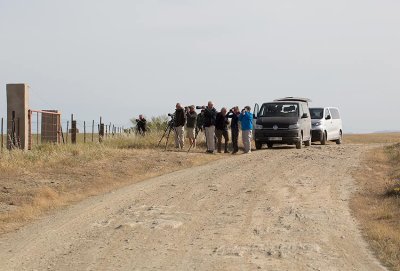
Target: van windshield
{"points": [[317, 113], [279, 110]]}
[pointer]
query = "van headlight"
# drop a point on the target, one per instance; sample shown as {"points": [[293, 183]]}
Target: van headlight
{"points": [[258, 126], [317, 123], [294, 126]]}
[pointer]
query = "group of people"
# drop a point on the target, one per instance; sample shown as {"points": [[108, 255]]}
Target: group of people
{"points": [[215, 125]]}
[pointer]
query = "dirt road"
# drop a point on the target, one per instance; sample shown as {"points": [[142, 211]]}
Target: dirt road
{"points": [[280, 209]]}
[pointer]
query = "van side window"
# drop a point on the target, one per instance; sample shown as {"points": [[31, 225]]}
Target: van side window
{"points": [[305, 109], [327, 113], [335, 113], [301, 111]]}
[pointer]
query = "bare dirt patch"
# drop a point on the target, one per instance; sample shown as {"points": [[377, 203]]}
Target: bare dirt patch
{"points": [[35, 182]]}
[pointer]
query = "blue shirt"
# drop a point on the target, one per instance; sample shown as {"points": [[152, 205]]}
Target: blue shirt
{"points": [[246, 120]]}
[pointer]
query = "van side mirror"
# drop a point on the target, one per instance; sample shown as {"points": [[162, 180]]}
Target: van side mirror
{"points": [[328, 117], [305, 115]]}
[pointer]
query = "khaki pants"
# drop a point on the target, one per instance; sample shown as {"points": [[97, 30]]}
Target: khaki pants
{"points": [[210, 134], [246, 137], [179, 137], [220, 134]]}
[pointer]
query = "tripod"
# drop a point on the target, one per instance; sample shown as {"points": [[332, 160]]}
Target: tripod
{"points": [[167, 132]]}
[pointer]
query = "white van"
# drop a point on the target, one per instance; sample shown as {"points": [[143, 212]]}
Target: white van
{"points": [[326, 125]]}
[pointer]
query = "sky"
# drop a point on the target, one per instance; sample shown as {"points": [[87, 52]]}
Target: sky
{"points": [[121, 58]]}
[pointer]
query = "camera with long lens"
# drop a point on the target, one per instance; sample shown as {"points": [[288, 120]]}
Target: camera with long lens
{"points": [[200, 107]]}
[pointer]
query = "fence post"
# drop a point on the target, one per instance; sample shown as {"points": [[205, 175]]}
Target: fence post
{"points": [[92, 130], [101, 132], [84, 132], [2, 123], [37, 128], [73, 132], [67, 132]]}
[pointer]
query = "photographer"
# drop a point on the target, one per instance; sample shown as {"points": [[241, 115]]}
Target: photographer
{"points": [[210, 115], [246, 119], [191, 116], [200, 121], [180, 121], [234, 115], [141, 125], [221, 129]]}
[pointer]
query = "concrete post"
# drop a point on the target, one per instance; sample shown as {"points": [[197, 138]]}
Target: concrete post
{"points": [[17, 116]]}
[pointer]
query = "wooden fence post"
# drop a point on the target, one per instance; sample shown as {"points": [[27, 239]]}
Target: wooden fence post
{"points": [[67, 132], [2, 140], [73, 132], [92, 130], [101, 132], [84, 132]]}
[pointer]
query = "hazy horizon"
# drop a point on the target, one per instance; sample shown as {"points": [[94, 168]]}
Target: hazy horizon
{"points": [[123, 58]]}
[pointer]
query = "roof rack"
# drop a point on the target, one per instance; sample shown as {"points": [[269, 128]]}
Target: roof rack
{"points": [[299, 99]]}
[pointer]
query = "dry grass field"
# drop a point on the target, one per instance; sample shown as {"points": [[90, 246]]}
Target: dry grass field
{"points": [[377, 203], [51, 176], [372, 138]]}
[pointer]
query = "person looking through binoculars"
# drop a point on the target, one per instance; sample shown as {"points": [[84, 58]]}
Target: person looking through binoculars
{"points": [[210, 115], [179, 123], [246, 119], [234, 115], [221, 130], [191, 117]]}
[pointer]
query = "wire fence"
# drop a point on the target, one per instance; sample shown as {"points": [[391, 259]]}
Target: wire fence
{"points": [[47, 127]]}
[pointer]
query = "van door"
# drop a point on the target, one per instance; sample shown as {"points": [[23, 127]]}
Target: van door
{"points": [[256, 111], [336, 123], [329, 124], [305, 122]]}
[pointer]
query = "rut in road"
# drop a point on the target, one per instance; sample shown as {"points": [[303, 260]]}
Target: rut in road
{"points": [[279, 209]]}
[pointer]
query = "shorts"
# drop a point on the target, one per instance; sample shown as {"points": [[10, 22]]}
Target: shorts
{"points": [[190, 133]]}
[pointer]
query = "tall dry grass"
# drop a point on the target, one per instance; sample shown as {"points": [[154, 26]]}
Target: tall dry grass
{"points": [[376, 205], [385, 138]]}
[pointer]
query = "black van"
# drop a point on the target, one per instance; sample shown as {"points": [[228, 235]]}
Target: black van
{"points": [[283, 121]]}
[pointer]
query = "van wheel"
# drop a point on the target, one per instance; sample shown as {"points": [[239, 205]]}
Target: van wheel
{"points": [[300, 143], [323, 139], [258, 145], [270, 145], [340, 139]]}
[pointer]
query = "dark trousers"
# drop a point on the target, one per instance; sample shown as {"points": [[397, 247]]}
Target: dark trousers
{"points": [[235, 138], [220, 134]]}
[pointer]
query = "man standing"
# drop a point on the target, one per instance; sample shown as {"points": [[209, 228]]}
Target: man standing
{"points": [[210, 115], [191, 125], [234, 115], [180, 120], [246, 119], [141, 125], [221, 129]]}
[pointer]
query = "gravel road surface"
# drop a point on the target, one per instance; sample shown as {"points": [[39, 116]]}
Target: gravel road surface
{"points": [[279, 209]]}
